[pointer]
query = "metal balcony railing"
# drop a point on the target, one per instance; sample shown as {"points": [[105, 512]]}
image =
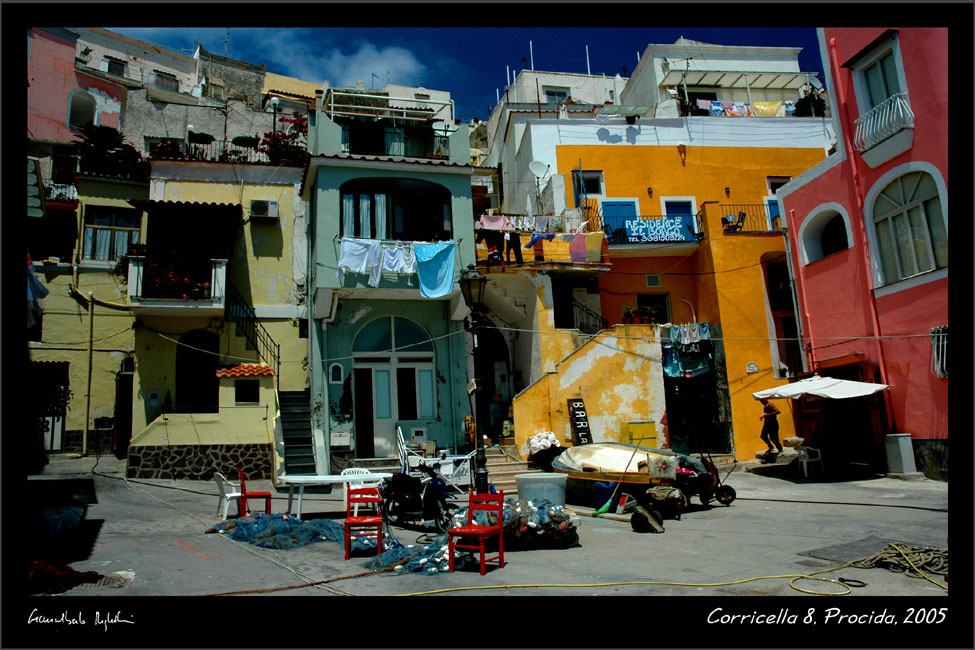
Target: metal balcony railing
{"points": [[649, 228], [754, 217], [161, 276], [225, 151], [243, 314], [884, 120]]}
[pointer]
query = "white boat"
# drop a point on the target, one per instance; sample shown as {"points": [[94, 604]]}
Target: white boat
{"points": [[618, 461]]}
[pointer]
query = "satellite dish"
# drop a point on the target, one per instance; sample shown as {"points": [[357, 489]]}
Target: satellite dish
{"points": [[538, 168]]}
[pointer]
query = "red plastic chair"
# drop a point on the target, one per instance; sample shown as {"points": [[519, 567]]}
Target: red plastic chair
{"points": [[475, 532], [242, 509], [363, 525]]}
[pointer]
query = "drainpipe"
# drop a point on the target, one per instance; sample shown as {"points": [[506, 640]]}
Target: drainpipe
{"points": [[691, 305], [811, 355], [862, 229]]}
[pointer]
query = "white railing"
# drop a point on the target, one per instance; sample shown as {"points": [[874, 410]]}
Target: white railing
{"points": [[883, 121]]}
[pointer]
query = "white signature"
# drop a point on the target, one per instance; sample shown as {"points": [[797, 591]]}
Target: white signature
{"points": [[69, 618]]}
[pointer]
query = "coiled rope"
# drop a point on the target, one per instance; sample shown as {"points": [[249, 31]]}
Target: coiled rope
{"points": [[914, 561]]}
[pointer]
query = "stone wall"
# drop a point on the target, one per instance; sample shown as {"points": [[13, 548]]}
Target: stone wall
{"points": [[147, 118], [199, 462], [931, 458]]}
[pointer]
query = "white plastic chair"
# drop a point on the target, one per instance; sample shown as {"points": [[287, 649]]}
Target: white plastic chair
{"points": [[229, 491], [809, 455], [352, 471]]}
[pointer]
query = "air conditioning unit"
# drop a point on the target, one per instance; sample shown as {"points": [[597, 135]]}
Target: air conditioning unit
{"points": [[263, 209]]}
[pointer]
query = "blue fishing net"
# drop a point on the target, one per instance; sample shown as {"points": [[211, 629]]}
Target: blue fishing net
{"points": [[285, 532]]}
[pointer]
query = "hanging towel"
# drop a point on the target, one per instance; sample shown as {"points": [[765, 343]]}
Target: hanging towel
{"points": [[358, 255], [494, 222], [766, 109], [577, 249], [705, 329], [541, 224], [399, 258], [435, 268], [704, 104], [594, 247], [539, 236], [694, 332]]}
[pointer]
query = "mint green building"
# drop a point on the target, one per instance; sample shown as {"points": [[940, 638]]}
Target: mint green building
{"points": [[391, 229]]}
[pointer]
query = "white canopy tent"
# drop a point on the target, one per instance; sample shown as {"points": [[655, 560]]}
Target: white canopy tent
{"points": [[821, 387]]}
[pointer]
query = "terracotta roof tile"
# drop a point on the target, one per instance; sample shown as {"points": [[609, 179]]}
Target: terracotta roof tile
{"points": [[246, 370]]}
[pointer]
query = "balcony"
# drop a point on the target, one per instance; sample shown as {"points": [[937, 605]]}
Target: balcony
{"points": [[750, 218], [60, 192], [216, 151], [164, 285], [372, 140], [885, 131]]}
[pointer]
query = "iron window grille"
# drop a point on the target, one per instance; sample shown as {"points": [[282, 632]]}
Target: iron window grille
{"points": [[939, 349]]}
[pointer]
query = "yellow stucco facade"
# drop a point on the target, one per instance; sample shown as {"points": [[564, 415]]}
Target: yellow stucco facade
{"points": [[723, 280]]}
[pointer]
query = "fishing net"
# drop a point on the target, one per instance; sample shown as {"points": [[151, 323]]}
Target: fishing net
{"points": [[284, 532]]}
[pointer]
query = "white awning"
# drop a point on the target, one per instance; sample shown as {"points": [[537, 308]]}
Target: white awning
{"points": [[623, 111], [753, 80], [821, 387]]}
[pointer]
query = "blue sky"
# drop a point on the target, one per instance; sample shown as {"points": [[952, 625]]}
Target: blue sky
{"points": [[470, 62]]}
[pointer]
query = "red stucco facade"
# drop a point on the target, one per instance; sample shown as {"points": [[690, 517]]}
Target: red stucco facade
{"points": [[850, 310]]}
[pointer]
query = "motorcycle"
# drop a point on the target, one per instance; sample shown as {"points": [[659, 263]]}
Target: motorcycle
{"points": [[412, 500]]}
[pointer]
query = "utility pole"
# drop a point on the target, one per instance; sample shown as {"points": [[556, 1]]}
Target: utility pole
{"points": [[91, 336]]}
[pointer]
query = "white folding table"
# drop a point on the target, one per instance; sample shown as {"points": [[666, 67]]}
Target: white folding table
{"points": [[301, 480]]}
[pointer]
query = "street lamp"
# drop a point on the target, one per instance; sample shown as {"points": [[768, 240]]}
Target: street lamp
{"points": [[274, 105], [472, 286]]}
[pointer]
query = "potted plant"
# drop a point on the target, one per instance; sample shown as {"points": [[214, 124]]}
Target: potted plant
{"points": [[200, 138], [627, 314], [643, 314]]}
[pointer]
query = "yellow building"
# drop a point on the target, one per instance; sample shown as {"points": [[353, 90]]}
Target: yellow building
{"points": [[217, 290]]}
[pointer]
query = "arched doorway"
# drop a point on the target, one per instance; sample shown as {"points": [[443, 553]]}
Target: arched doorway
{"points": [[393, 380], [197, 386]]}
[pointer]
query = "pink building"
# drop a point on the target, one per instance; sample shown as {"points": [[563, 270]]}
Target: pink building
{"points": [[61, 98], [868, 237]]}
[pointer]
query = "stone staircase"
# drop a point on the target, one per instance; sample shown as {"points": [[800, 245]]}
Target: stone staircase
{"points": [[502, 469]]}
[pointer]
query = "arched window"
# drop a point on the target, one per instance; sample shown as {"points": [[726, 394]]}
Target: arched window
{"points": [[912, 234], [81, 109], [824, 233]]}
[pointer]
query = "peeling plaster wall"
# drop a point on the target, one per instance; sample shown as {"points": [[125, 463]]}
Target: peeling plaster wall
{"points": [[619, 378]]}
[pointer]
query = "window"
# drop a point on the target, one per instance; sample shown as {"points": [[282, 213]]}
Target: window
{"points": [[880, 78], [395, 209], [588, 182], [657, 303], [165, 81], [81, 109], [833, 237], [912, 236], [555, 95], [247, 391], [109, 231], [336, 374], [113, 66], [939, 348]]}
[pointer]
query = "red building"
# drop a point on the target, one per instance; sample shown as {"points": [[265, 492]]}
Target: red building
{"points": [[868, 233]]}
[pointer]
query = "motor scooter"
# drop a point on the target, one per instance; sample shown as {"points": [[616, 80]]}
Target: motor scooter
{"points": [[419, 502]]}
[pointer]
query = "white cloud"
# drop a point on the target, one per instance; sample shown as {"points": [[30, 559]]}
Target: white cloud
{"points": [[307, 54]]}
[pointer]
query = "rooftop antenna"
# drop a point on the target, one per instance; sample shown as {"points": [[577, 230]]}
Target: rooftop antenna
{"points": [[587, 61], [531, 53], [226, 44]]}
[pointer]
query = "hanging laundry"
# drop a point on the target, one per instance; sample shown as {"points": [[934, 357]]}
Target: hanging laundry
{"points": [[358, 255], [512, 242], [669, 359], [705, 330], [494, 221], [399, 258], [694, 332], [704, 104], [790, 108], [435, 268], [766, 109], [594, 247], [577, 249], [539, 236], [716, 108], [541, 224]]}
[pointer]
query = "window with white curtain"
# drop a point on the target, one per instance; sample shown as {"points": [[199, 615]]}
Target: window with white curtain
{"points": [[109, 231], [395, 209]]}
